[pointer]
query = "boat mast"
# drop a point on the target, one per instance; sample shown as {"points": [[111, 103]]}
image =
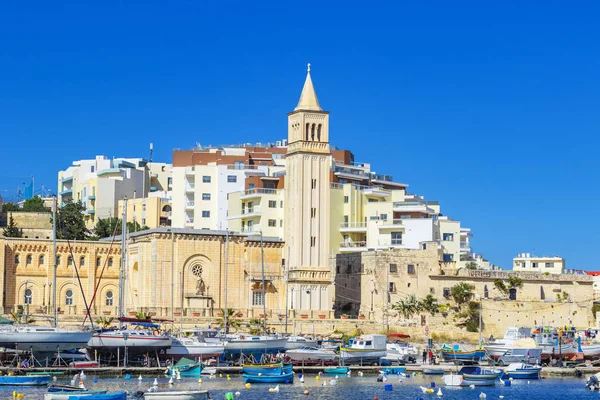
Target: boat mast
{"points": [[287, 292], [123, 256], [387, 301], [264, 297], [480, 312], [54, 205], [226, 310]]}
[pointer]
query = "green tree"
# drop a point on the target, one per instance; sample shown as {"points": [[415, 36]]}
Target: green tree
{"points": [[21, 318], [35, 204], [430, 304], [12, 230], [501, 286], [255, 326], [70, 224], [233, 322], [471, 265], [106, 227], [515, 282], [8, 207], [470, 317], [104, 322], [408, 306], [462, 292]]}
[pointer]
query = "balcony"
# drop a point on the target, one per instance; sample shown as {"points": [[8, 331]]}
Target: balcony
{"points": [[390, 244], [66, 192], [90, 211], [257, 192], [465, 247], [189, 222], [189, 171], [190, 187], [250, 230], [412, 206], [350, 247], [247, 213], [375, 191], [67, 179], [391, 224], [189, 205], [109, 171], [353, 227]]}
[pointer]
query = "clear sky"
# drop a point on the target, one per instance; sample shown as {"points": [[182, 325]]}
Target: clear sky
{"points": [[492, 110]]}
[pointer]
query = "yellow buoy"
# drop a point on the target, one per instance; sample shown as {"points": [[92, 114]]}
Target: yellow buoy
{"points": [[220, 375], [317, 378], [248, 386], [306, 392], [200, 380], [228, 378]]}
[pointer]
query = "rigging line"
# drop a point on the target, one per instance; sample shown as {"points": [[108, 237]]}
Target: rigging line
{"points": [[77, 272], [97, 285]]}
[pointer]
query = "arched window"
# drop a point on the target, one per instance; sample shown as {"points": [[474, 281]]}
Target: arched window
{"points": [[98, 262], [57, 261], [109, 298], [307, 131], [69, 297], [81, 261], [167, 208], [16, 258], [41, 260], [28, 296], [542, 293], [69, 261], [312, 132], [28, 259], [110, 261], [486, 293], [319, 132]]}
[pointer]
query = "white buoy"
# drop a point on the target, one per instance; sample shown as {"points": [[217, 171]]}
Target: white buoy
{"points": [[301, 379], [155, 382], [178, 375], [482, 395], [54, 379], [360, 373], [153, 389], [237, 394], [349, 373], [528, 382], [140, 378], [439, 393], [500, 397], [324, 384], [82, 375], [423, 389], [384, 378], [333, 382], [274, 390], [171, 381]]}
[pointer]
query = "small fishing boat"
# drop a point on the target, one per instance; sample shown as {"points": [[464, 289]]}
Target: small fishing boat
{"points": [[479, 376], [393, 370], [306, 353], [84, 364], [25, 380], [51, 373], [522, 371], [267, 369], [194, 347], [65, 388], [336, 370], [67, 394], [296, 342], [366, 348], [187, 368], [107, 396], [244, 343], [433, 371], [497, 347], [282, 378], [457, 353], [184, 395]]}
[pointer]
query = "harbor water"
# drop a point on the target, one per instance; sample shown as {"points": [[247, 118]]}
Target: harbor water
{"points": [[352, 388]]}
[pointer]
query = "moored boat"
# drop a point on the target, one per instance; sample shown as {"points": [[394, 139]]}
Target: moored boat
{"points": [[142, 340], [282, 378], [182, 395], [478, 376], [295, 342], [522, 371], [267, 369], [433, 371], [106, 396], [457, 353], [307, 353], [192, 347], [244, 343], [336, 370], [67, 395], [497, 347], [42, 339], [25, 380], [366, 348], [187, 368]]}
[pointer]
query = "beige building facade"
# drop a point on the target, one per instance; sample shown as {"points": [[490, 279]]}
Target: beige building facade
{"points": [[527, 262]]}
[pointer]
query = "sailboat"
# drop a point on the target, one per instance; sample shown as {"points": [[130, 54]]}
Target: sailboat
{"points": [[41, 340], [134, 340]]}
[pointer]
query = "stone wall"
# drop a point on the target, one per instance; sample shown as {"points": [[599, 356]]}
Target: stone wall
{"points": [[35, 225]]}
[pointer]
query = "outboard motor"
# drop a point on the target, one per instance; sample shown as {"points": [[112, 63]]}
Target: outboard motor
{"points": [[592, 383], [380, 378]]}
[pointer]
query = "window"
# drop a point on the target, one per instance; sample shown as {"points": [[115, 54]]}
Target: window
{"points": [[206, 179], [238, 165], [231, 178], [205, 214], [281, 223], [313, 212], [28, 296], [313, 183], [345, 199], [448, 257], [144, 207], [272, 204], [41, 260], [110, 261], [549, 265], [69, 261], [346, 219], [57, 261], [313, 241], [109, 298], [448, 237], [534, 265], [410, 268], [281, 204], [143, 221], [383, 217], [523, 264], [251, 186], [81, 261], [205, 196], [392, 288], [169, 181], [272, 222], [432, 290], [28, 259], [373, 200], [92, 168], [446, 292], [258, 298], [69, 298], [396, 237], [98, 262], [393, 268], [16, 258]]}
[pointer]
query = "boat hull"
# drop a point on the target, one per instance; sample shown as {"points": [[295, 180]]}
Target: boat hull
{"points": [[107, 396], [25, 380], [473, 355], [349, 354], [196, 350], [192, 395], [292, 344], [591, 350], [433, 371], [337, 370], [284, 378], [188, 371], [305, 355], [43, 341], [67, 395], [568, 350], [261, 346], [268, 369], [112, 341]]}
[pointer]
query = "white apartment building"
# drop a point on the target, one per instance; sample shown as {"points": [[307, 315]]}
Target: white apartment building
{"points": [[527, 262], [100, 183]]}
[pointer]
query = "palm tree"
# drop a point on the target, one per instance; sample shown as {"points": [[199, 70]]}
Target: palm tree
{"points": [[408, 306], [255, 326], [232, 321], [430, 304], [104, 322], [21, 319], [143, 316]]}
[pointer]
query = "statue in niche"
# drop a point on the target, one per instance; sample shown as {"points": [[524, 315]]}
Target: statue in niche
{"points": [[200, 287]]}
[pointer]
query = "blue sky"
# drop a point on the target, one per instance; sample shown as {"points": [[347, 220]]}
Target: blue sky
{"points": [[492, 110]]}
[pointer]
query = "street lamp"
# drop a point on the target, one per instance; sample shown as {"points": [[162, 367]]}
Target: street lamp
{"points": [[372, 293], [44, 296], [292, 302], [280, 320], [26, 298], [49, 290]]}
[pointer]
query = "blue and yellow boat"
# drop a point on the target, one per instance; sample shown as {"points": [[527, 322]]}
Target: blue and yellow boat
{"points": [[459, 354]]}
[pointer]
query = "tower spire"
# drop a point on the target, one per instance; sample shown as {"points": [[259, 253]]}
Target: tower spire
{"points": [[308, 98]]}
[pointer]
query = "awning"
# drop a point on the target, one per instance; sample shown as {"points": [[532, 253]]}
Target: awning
{"points": [[6, 321]]}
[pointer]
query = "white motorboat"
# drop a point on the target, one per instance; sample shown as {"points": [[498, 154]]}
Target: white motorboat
{"points": [[295, 342], [183, 395], [132, 339], [498, 347], [307, 353], [591, 350], [365, 348], [42, 339], [399, 351], [241, 342], [192, 347]]}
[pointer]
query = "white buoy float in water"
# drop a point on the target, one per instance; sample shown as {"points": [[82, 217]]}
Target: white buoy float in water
{"points": [[439, 393], [423, 389], [155, 382], [482, 395], [274, 390], [171, 381], [301, 379], [333, 382], [140, 378], [472, 386]]}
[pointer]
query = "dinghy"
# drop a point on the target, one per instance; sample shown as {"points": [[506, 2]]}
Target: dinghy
{"points": [[187, 395], [25, 380], [68, 395], [283, 378]]}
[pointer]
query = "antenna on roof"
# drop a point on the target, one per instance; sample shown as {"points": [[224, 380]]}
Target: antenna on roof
{"points": [[151, 148]]}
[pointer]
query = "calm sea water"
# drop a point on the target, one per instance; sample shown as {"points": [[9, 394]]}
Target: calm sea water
{"points": [[354, 388]]}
